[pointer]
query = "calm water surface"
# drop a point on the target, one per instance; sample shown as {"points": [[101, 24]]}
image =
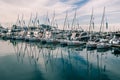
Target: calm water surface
{"points": [[33, 61]]}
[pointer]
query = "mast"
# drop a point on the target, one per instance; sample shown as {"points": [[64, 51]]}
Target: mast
{"points": [[74, 20], [22, 21], [53, 19], [30, 20], [102, 21], [47, 20], [91, 21], [65, 20], [64, 23], [35, 21], [18, 21]]}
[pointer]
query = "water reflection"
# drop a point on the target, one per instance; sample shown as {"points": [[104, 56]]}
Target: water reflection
{"points": [[53, 62], [116, 52]]}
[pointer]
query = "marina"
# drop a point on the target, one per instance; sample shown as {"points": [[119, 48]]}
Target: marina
{"points": [[44, 52], [59, 40], [71, 38], [48, 33]]}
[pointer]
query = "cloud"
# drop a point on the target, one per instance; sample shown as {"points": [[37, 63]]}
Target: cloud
{"points": [[11, 8]]}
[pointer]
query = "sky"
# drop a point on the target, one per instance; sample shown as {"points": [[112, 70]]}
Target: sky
{"points": [[10, 9]]}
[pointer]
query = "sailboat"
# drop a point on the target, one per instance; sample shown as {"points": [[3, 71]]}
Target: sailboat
{"points": [[64, 41], [18, 29], [32, 32], [72, 41], [90, 43], [115, 40], [103, 44], [49, 35], [21, 35]]}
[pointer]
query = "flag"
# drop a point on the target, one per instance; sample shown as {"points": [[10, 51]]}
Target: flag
{"points": [[19, 22], [106, 25], [38, 21], [48, 20], [32, 21], [93, 25]]}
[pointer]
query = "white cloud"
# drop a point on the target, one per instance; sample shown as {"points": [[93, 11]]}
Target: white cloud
{"points": [[11, 8]]}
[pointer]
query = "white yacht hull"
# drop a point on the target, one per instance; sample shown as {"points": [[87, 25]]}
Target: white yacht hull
{"points": [[91, 45], [103, 45]]}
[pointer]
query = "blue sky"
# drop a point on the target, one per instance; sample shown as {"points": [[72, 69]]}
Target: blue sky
{"points": [[11, 8]]}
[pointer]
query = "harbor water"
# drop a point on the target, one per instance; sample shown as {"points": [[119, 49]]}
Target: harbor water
{"points": [[34, 61]]}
